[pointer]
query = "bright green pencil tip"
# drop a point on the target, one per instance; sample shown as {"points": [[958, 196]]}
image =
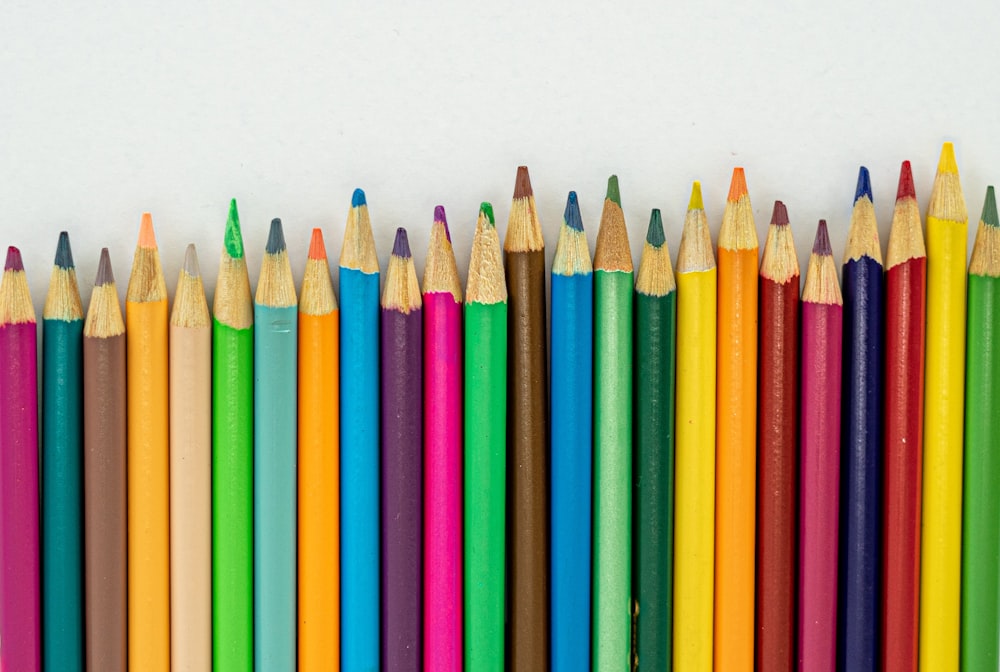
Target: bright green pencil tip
{"points": [[613, 193], [234, 237], [990, 209], [487, 209]]}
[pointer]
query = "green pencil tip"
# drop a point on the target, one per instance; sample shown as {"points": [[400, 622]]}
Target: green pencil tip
{"points": [[990, 209], [234, 237], [654, 234], [613, 194], [487, 209]]}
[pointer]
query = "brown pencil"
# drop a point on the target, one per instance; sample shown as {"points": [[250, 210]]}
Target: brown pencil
{"points": [[527, 433], [104, 475]]}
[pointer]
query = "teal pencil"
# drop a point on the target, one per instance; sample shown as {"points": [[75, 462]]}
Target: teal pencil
{"points": [[274, 446], [62, 456]]}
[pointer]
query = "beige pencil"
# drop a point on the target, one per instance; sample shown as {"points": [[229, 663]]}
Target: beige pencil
{"points": [[190, 473]]}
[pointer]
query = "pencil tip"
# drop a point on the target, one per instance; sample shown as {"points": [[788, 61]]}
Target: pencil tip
{"points": [[572, 214], [947, 164], [233, 238], [317, 248], [779, 217], [105, 275], [696, 203], [486, 210], [439, 217], [14, 262], [522, 185], [613, 194], [821, 245], [275, 238], [990, 209], [905, 188], [738, 185], [147, 238], [191, 266], [64, 253], [654, 234], [864, 188], [401, 246], [358, 198]]}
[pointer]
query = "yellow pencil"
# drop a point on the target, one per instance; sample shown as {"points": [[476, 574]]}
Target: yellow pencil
{"points": [[148, 467], [944, 396], [694, 508]]}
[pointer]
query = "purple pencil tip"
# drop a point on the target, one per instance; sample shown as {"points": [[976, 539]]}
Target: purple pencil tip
{"points": [[821, 246], [780, 215], [401, 246], [439, 216], [14, 262]]}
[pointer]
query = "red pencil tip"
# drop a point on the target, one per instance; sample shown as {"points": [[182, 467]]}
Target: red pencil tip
{"points": [[14, 262], [905, 189], [317, 249], [738, 185]]}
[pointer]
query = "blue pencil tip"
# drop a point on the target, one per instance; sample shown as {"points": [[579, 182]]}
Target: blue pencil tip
{"points": [[64, 254], [572, 214], [358, 199], [275, 238], [864, 185], [401, 246]]}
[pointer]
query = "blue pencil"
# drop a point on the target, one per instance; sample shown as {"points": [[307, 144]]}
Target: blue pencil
{"points": [[572, 347], [359, 442], [862, 437], [274, 452]]}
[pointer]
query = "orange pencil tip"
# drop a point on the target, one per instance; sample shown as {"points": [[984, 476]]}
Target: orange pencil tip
{"points": [[738, 185], [146, 236], [317, 249]]}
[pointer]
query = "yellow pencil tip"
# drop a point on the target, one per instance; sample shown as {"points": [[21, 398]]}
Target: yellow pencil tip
{"points": [[696, 203], [947, 164], [146, 236]]}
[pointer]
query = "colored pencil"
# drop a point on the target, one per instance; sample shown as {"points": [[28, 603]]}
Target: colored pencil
{"points": [[572, 387], [981, 521], [862, 447], [735, 476], [104, 473], [20, 620], [905, 306], [819, 488], [612, 581], [941, 535], [485, 435], [148, 463], [442, 307], [319, 466], [190, 472], [274, 458], [694, 467], [232, 457], [402, 443], [777, 438], [655, 326], [62, 476], [359, 442], [528, 564]]}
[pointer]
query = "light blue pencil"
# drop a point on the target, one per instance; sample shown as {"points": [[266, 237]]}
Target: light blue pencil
{"points": [[275, 449]]}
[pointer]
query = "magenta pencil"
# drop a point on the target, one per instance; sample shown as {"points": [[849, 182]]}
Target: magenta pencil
{"points": [[20, 634], [822, 334], [442, 453]]}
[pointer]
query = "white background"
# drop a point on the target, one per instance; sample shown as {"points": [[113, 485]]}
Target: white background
{"points": [[108, 109]]}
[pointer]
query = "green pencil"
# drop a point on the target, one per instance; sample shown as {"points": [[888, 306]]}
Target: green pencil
{"points": [[485, 449], [981, 507], [232, 458], [612, 641], [655, 321]]}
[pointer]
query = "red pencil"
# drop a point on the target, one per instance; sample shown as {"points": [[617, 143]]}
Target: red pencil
{"points": [[819, 499], [906, 274]]}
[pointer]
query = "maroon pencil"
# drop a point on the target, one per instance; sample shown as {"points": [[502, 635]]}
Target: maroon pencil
{"points": [[402, 445]]}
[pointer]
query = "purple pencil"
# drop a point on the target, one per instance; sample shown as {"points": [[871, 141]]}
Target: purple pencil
{"points": [[19, 584], [402, 445]]}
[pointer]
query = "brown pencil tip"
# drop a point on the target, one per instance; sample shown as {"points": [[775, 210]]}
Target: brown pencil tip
{"points": [[522, 185], [905, 189], [821, 246], [317, 248], [738, 185], [105, 274], [147, 238]]}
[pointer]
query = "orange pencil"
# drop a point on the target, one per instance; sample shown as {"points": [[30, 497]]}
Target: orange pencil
{"points": [[319, 466], [736, 432]]}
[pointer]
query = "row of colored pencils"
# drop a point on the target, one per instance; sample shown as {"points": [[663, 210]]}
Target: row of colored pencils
{"points": [[292, 483]]}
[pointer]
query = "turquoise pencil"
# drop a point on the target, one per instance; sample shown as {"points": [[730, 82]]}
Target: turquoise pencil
{"points": [[274, 447]]}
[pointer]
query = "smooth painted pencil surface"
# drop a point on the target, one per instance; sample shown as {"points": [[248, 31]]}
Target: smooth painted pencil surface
{"points": [[612, 615], [655, 326], [232, 457], [861, 472], [442, 308], [274, 446], [905, 306], [148, 462], [485, 435], [694, 467], [572, 402], [105, 481], [402, 472], [736, 449], [319, 466], [359, 441], [819, 487], [62, 459], [190, 472], [981, 521], [941, 535], [777, 439], [20, 619], [528, 436]]}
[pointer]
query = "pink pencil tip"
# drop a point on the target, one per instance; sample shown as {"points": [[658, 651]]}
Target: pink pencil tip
{"points": [[147, 238], [317, 248], [14, 262]]}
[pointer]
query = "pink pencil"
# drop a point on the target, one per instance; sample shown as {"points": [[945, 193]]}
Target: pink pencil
{"points": [[819, 501], [442, 454], [19, 595]]}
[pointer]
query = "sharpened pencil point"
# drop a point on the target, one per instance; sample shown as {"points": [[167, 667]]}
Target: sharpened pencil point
{"points": [[780, 215], [64, 253], [317, 248], [613, 194], [486, 209], [191, 261], [572, 214], [105, 274], [864, 188], [738, 185], [439, 216], [275, 238], [14, 262], [990, 209], [358, 198], [147, 238], [905, 188], [821, 245], [947, 164], [696, 203], [654, 234], [522, 185], [234, 237], [401, 246]]}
